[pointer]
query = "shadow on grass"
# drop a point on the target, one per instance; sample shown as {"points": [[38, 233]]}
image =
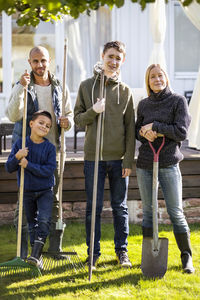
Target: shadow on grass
{"points": [[91, 286]]}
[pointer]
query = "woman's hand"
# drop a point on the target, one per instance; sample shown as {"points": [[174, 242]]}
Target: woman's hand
{"points": [[150, 135], [146, 128]]}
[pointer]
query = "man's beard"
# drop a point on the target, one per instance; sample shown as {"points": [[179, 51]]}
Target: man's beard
{"points": [[40, 75]]}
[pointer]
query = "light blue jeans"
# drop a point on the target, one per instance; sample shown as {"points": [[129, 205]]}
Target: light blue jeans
{"points": [[170, 180]]}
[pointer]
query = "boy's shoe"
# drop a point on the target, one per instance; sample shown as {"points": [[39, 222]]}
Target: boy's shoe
{"points": [[123, 259], [95, 261], [33, 261]]}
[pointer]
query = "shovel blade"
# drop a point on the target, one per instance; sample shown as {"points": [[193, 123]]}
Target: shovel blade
{"points": [[154, 262]]}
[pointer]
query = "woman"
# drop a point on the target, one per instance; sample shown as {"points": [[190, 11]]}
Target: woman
{"points": [[166, 113]]}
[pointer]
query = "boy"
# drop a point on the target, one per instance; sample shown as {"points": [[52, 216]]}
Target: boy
{"points": [[116, 149], [38, 159]]}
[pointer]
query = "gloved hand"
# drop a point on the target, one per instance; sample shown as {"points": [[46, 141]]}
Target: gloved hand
{"points": [[99, 106]]}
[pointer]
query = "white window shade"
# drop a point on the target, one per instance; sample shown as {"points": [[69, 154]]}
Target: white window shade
{"points": [[86, 37], [187, 43]]}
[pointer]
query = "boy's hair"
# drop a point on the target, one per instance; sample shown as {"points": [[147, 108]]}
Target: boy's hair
{"points": [[119, 46], [41, 113], [147, 77]]}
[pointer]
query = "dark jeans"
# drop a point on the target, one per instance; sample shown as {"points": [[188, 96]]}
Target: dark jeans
{"points": [[38, 208], [118, 194]]}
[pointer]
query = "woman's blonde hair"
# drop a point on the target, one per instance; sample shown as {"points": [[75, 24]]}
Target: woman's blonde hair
{"points": [[147, 77]]}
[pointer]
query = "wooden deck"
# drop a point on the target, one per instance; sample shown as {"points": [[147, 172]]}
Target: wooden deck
{"points": [[73, 182]]}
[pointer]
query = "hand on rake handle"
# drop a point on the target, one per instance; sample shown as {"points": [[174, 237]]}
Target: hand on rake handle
{"points": [[25, 79], [21, 153], [99, 106], [23, 162], [64, 122]]}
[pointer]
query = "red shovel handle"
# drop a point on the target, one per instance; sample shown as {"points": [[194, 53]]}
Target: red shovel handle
{"points": [[156, 154]]}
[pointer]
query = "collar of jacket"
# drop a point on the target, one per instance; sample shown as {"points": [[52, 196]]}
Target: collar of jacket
{"points": [[53, 80], [98, 68], [161, 95]]}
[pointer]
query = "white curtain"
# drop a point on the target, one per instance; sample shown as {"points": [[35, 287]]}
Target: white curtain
{"points": [[158, 27], [86, 37], [192, 11]]}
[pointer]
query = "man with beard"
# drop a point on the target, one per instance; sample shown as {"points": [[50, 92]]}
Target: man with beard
{"points": [[44, 92]]}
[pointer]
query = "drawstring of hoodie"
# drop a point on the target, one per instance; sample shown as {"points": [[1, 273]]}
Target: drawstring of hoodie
{"points": [[116, 78], [118, 93], [97, 70], [93, 89]]}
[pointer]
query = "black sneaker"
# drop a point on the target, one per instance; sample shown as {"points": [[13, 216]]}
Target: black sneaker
{"points": [[95, 261], [123, 259]]}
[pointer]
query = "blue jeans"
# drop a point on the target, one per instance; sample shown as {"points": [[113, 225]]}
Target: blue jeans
{"points": [[170, 180], [38, 208], [118, 194]]}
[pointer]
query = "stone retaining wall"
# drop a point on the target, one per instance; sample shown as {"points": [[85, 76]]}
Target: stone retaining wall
{"points": [[76, 211]]}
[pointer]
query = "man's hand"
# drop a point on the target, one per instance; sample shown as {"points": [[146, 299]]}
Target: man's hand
{"points": [[99, 106], [23, 162], [21, 153], [25, 79], [64, 122], [126, 172]]}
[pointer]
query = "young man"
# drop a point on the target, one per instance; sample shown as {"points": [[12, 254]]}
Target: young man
{"points": [[44, 92], [116, 148], [38, 159]]}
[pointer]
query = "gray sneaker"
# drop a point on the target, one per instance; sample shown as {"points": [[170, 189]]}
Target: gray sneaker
{"points": [[123, 259], [95, 261]]}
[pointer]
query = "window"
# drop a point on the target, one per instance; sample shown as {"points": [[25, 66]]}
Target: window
{"points": [[187, 43], [26, 37], [86, 37], [1, 58]]}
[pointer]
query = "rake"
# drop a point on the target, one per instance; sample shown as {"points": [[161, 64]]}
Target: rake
{"points": [[70, 259], [17, 265]]}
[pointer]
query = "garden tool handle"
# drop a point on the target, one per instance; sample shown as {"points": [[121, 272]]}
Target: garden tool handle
{"points": [[59, 224], [21, 190], [155, 194], [156, 154], [94, 197]]}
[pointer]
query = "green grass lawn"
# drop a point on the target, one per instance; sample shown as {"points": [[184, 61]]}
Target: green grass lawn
{"points": [[109, 281]]}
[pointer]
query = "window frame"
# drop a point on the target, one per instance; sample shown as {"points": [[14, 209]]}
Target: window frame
{"points": [[176, 75]]}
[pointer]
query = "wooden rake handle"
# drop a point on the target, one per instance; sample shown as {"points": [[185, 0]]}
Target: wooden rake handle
{"points": [[62, 150], [21, 191]]}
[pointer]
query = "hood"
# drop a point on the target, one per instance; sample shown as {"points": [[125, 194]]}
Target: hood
{"points": [[98, 68]]}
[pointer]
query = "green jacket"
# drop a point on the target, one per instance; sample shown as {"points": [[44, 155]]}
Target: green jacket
{"points": [[118, 121]]}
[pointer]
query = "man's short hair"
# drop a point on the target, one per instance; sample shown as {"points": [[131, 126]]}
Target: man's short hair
{"points": [[41, 113], [38, 49], [119, 46]]}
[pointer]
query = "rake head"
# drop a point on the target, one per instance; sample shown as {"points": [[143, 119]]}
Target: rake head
{"points": [[62, 261], [17, 266]]}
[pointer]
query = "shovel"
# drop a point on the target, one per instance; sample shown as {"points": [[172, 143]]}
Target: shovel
{"points": [[155, 251]]}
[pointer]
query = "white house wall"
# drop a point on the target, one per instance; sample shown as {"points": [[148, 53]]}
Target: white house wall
{"points": [[130, 25]]}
